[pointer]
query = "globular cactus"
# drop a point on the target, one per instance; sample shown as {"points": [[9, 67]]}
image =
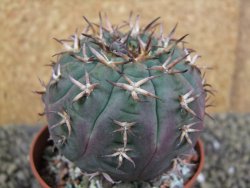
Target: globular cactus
{"points": [[124, 104]]}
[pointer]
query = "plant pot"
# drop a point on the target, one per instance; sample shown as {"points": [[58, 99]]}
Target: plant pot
{"points": [[40, 142]]}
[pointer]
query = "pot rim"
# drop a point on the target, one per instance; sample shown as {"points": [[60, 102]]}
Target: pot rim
{"points": [[43, 132], [200, 148]]}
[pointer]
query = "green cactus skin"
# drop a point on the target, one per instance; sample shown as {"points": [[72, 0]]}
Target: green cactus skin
{"points": [[89, 99]]}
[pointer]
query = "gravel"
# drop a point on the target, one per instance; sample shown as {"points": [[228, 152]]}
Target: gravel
{"points": [[227, 151], [14, 148]]}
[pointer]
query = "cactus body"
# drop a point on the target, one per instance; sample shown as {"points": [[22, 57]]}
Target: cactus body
{"points": [[124, 104]]}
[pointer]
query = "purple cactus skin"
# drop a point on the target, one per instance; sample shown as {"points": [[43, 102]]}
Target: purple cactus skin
{"points": [[125, 104]]}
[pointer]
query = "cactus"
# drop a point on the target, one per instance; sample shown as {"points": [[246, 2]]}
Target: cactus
{"points": [[125, 104]]}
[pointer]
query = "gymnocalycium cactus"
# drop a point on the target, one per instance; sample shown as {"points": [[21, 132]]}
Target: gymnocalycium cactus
{"points": [[125, 104]]}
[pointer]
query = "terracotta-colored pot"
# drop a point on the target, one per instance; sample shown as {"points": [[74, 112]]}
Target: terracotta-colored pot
{"points": [[200, 149], [40, 142], [35, 156]]}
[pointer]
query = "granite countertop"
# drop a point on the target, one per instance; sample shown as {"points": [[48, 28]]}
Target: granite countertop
{"points": [[227, 150]]}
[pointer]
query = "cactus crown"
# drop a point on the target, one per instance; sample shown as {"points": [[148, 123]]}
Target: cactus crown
{"points": [[124, 104]]}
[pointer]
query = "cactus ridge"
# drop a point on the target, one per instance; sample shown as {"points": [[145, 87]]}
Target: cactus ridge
{"points": [[124, 104]]}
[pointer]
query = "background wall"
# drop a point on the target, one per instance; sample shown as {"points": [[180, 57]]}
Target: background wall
{"points": [[216, 28]]}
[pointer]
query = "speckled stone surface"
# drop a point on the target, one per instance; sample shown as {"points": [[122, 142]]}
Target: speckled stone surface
{"points": [[226, 140], [27, 28]]}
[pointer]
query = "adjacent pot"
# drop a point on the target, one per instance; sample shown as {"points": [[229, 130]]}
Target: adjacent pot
{"points": [[40, 142]]}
